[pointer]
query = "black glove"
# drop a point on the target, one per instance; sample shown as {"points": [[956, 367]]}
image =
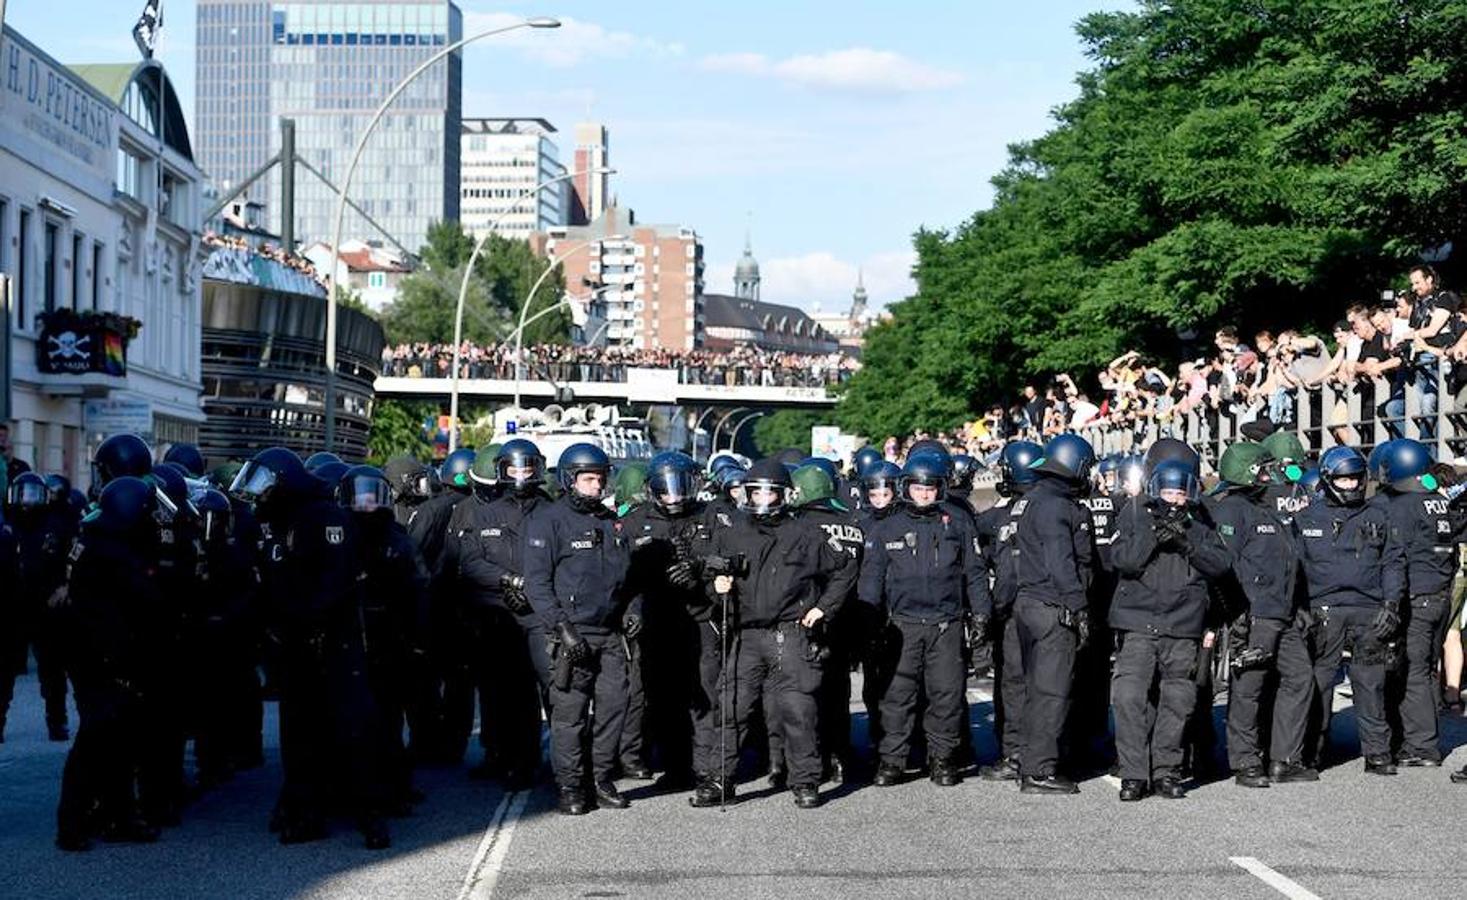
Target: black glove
{"points": [[1078, 621], [571, 644], [977, 631], [1249, 659], [631, 625], [683, 574], [513, 587], [1386, 621]]}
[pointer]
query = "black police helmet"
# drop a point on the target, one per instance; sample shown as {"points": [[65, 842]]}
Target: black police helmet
{"points": [[274, 474], [1067, 456], [319, 459], [927, 469], [520, 454], [771, 480], [1171, 448], [216, 515], [455, 470], [188, 456], [330, 473], [364, 490], [171, 484], [1341, 463], [864, 459], [576, 460], [1173, 475], [28, 493], [929, 445], [1407, 465], [672, 481], [964, 470], [1015, 465], [127, 506], [59, 487], [119, 455]]}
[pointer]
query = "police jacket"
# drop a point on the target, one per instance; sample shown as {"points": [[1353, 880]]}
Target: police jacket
{"points": [[841, 526], [115, 601], [791, 569], [428, 527], [310, 570], [486, 542], [1286, 498], [576, 567], [44, 539], [1348, 555], [1163, 589], [1265, 558], [1052, 550], [229, 588], [721, 512], [659, 540], [395, 599], [1102, 509], [9, 572], [995, 527], [924, 568], [1428, 530]]}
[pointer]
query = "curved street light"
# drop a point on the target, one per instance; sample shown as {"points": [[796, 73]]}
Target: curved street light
{"points": [[330, 404], [733, 440], [463, 288], [519, 338], [713, 447]]}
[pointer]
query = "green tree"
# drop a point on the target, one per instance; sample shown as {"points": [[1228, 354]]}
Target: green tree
{"points": [[503, 275], [397, 430], [1260, 164]]}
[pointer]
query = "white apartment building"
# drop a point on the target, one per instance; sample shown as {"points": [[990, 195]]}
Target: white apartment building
{"points": [[502, 160]]}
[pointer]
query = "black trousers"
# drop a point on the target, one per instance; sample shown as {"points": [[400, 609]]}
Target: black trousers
{"points": [[834, 698], [1048, 650], [34, 626], [880, 647], [601, 679], [1270, 704], [1426, 628], [326, 731], [672, 653], [1009, 687], [102, 763], [773, 663], [1337, 629], [632, 748], [1153, 693], [452, 655], [929, 666], [706, 699], [509, 697]]}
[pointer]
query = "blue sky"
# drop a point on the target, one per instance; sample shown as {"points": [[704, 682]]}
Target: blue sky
{"points": [[833, 129]]}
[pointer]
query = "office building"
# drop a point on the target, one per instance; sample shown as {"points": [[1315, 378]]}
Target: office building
{"points": [[503, 160], [590, 190]]}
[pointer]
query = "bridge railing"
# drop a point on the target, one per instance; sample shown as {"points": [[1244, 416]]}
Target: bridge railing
{"points": [[615, 371]]}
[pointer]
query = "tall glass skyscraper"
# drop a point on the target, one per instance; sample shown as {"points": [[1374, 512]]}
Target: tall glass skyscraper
{"points": [[328, 65]]}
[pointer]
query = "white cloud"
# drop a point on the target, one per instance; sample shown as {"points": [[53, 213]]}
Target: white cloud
{"points": [[823, 278], [857, 69], [574, 42]]}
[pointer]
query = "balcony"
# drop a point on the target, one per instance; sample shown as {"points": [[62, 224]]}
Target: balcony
{"points": [[83, 353]]}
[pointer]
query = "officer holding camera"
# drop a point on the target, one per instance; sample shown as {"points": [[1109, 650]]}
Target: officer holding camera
{"points": [[781, 577]]}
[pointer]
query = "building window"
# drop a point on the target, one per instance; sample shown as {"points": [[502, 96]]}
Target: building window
{"points": [[22, 284], [52, 257], [376, 279], [76, 270], [96, 277]]}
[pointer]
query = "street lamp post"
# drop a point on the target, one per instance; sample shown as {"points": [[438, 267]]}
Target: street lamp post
{"points": [[463, 290], [330, 399], [733, 440], [713, 447], [519, 338]]}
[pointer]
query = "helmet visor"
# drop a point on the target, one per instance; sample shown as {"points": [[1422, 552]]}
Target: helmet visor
{"points": [[673, 488], [217, 524], [763, 497], [28, 495], [365, 494], [254, 482]]}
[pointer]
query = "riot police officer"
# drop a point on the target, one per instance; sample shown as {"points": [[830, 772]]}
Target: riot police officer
{"points": [[995, 528], [876, 644], [1287, 457], [112, 596], [188, 457], [43, 527], [679, 647], [1271, 669], [1054, 565], [413, 483], [1355, 570], [576, 561], [816, 489], [923, 568], [1165, 551], [310, 566], [486, 553], [781, 577], [962, 473], [1428, 529]]}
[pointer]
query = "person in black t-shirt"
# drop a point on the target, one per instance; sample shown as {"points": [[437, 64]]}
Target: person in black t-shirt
{"points": [[1376, 360], [1435, 326]]}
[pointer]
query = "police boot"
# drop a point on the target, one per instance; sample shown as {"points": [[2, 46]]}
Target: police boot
{"points": [[608, 797], [573, 802], [1285, 772], [1047, 784], [1460, 776], [637, 771], [1004, 769], [73, 843], [807, 796], [302, 830], [944, 773], [888, 774], [1380, 765], [710, 792], [779, 777], [131, 830], [1252, 777], [677, 781], [374, 833], [1170, 788], [1416, 761], [835, 771], [1132, 789]]}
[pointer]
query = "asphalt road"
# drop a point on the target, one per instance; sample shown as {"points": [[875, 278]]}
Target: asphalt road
{"points": [[1350, 835]]}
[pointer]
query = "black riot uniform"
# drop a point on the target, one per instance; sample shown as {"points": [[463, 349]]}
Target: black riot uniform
{"points": [[311, 585], [113, 598], [1090, 714], [43, 532], [1355, 570], [576, 560], [1428, 530], [449, 645], [1271, 666], [788, 570], [513, 671], [843, 531], [1164, 556], [680, 641], [1054, 563], [996, 526], [923, 567]]}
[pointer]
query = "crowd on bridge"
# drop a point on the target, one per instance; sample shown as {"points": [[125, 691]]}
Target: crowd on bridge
{"points": [[744, 365]]}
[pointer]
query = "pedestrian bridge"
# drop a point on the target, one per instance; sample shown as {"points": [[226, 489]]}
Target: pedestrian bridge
{"points": [[640, 386]]}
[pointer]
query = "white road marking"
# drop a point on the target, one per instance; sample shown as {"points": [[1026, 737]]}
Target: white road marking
{"points": [[488, 861], [1288, 887]]}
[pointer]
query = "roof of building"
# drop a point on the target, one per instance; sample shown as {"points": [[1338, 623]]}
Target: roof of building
{"points": [[508, 125], [113, 79], [723, 311]]}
